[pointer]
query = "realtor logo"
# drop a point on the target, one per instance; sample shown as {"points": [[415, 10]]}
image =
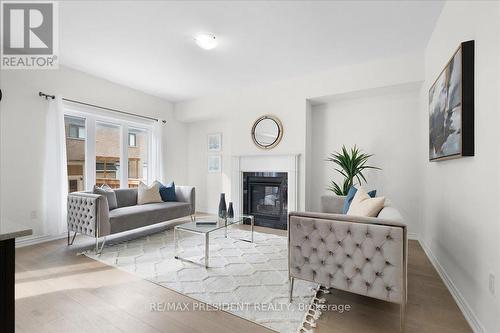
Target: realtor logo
{"points": [[29, 32]]}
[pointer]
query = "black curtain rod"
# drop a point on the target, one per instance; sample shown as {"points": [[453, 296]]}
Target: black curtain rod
{"points": [[41, 94], [109, 109]]}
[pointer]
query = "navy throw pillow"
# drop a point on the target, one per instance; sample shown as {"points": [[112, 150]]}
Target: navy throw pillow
{"points": [[350, 196], [167, 192]]}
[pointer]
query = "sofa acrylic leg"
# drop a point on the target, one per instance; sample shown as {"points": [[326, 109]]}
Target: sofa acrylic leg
{"points": [[70, 242], [291, 289], [98, 250], [193, 218]]}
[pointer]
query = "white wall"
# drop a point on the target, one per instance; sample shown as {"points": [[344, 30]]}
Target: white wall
{"points": [[235, 112], [461, 197], [22, 121], [382, 122], [208, 185]]}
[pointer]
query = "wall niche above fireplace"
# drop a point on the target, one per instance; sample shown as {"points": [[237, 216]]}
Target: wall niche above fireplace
{"points": [[265, 196]]}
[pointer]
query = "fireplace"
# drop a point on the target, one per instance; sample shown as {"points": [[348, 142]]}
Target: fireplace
{"points": [[265, 196]]}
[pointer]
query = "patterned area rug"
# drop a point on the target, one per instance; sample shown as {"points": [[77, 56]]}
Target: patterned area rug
{"points": [[249, 280]]}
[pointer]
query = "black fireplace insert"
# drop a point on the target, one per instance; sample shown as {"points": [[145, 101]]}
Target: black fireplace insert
{"points": [[265, 196]]}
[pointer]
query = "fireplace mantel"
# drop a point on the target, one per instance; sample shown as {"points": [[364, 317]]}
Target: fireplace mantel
{"points": [[264, 163]]}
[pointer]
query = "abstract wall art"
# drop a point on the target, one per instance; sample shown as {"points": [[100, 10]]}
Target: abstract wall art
{"points": [[451, 107]]}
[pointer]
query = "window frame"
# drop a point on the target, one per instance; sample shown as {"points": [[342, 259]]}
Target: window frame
{"points": [[134, 135], [93, 116]]}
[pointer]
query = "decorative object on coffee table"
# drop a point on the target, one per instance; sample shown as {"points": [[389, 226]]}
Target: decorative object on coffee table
{"points": [[230, 211], [200, 223], [222, 206], [451, 107], [352, 163]]}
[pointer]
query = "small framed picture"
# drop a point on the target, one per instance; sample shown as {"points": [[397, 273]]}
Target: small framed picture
{"points": [[214, 142], [214, 164]]}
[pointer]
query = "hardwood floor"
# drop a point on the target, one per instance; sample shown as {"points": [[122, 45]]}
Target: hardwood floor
{"points": [[60, 291]]}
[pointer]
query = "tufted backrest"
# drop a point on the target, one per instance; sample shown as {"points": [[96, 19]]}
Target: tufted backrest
{"points": [[359, 257]]}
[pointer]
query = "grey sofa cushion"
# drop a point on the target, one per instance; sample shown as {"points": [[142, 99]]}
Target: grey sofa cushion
{"points": [[131, 217], [110, 195], [126, 197]]}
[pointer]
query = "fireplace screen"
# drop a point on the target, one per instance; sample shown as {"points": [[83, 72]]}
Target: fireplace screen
{"points": [[266, 200], [265, 197]]}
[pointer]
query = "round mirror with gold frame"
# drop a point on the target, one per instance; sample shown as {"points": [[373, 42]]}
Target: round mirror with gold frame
{"points": [[267, 132]]}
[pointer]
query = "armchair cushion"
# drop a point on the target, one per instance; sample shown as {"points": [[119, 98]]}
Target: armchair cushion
{"points": [[350, 196], [364, 205]]}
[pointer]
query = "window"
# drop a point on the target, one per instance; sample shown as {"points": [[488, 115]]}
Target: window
{"points": [[138, 154], [132, 140], [75, 152], [76, 131], [107, 154], [118, 150]]}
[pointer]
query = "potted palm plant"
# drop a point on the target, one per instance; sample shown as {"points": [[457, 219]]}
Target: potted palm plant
{"points": [[350, 163]]}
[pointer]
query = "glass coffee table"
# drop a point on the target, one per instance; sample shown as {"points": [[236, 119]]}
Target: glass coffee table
{"points": [[205, 227]]}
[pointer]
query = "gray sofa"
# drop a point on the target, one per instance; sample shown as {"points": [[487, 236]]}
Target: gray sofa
{"points": [[89, 213], [361, 255]]}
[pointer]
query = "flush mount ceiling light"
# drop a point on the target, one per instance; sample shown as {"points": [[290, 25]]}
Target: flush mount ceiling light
{"points": [[206, 41]]}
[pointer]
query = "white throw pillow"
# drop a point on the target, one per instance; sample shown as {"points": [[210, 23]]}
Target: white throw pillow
{"points": [[148, 194], [364, 205]]}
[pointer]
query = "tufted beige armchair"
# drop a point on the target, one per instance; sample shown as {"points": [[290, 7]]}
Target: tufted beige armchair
{"points": [[362, 255]]}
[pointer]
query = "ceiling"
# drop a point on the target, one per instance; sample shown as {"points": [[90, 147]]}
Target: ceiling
{"points": [[148, 45]]}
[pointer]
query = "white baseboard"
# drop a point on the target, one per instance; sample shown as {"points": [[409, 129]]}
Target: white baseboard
{"points": [[32, 240], [469, 315]]}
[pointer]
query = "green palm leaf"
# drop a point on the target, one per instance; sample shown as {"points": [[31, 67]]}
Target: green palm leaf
{"points": [[350, 163]]}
